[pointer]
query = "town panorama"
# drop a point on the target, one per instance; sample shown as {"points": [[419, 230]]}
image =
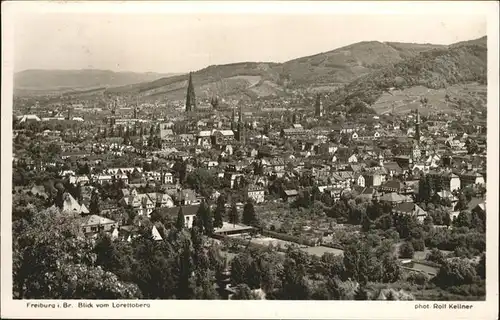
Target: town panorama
{"points": [[315, 179]]}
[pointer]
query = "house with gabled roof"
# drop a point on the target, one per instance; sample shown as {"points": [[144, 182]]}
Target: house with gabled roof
{"points": [[447, 195], [70, 205], [471, 178], [446, 179], [393, 186], [290, 195], [393, 169], [94, 224], [394, 198], [411, 209], [188, 211], [372, 179], [188, 197], [359, 180]]}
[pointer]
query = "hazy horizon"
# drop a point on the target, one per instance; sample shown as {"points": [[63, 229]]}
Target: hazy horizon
{"points": [[188, 42]]}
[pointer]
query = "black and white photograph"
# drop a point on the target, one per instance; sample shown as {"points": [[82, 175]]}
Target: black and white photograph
{"points": [[225, 155]]}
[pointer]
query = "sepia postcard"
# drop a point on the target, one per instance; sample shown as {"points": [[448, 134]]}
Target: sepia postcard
{"points": [[329, 159]]}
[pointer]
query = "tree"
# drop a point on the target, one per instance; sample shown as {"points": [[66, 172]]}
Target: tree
{"points": [[406, 250], [405, 224], [240, 268], [52, 260], [156, 267], [295, 286], [94, 206], [249, 217], [357, 258], [385, 222], [59, 199], [418, 244], [391, 268], [455, 272], [234, 217], [113, 256], [436, 256], [425, 189], [361, 294], [184, 288], [180, 222], [464, 219], [481, 267], [196, 235], [243, 292], [365, 223], [220, 211], [374, 210], [446, 219], [208, 221], [201, 180]]}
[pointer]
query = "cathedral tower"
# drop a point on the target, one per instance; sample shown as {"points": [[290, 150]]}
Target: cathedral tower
{"points": [[241, 128], [190, 95], [318, 112], [417, 127]]}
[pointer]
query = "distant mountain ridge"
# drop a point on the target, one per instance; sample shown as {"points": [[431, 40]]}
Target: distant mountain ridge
{"points": [[327, 71], [39, 79], [249, 80]]}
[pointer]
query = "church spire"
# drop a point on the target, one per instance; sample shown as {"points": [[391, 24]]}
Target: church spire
{"points": [[232, 119], [190, 95], [318, 112], [241, 128], [417, 126]]}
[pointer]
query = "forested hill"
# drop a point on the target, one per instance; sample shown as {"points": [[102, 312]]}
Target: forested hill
{"points": [[248, 80], [433, 69]]}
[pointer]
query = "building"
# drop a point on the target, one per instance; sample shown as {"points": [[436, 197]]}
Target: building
{"points": [[241, 134], [446, 179], [188, 211], [411, 209], [447, 195], [471, 178], [393, 198], [28, 118], [293, 132], [190, 95], [372, 179], [204, 138], [167, 177], [290, 195], [94, 224], [70, 205], [360, 180], [166, 134], [222, 137], [232, 229], [256, 193]]}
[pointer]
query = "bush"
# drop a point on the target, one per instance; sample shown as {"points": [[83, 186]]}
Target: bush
{"points": [[462, 252], [436, 256], [472, 290], [418, 244], [418, 278], [406, 250]]}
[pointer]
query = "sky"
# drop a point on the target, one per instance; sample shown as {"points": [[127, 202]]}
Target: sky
{"points": [[173, 43]]}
